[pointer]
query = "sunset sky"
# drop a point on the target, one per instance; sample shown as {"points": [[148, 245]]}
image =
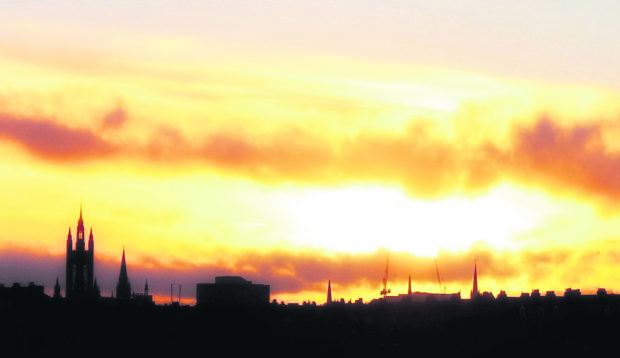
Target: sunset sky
{"points": [[296, 142]]}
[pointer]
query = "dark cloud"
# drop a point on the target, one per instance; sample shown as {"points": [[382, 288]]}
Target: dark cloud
{"points": [[53, 141]]}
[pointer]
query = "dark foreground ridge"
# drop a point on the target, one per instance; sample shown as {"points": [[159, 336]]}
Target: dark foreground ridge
{"points": [[34, 324]]}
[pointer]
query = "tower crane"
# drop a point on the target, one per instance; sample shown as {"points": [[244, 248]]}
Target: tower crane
{"points": [[385, 290]]}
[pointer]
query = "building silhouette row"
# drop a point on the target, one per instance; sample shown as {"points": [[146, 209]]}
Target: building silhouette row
{"points": [[81, 283]]}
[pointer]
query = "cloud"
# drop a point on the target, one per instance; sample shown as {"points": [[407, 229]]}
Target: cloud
{"points": [[114, 119], [572, 158], [545, 154], [52, 141]]}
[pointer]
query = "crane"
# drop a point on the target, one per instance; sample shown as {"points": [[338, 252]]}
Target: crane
{"points": [[438, 278], [385, 290]]}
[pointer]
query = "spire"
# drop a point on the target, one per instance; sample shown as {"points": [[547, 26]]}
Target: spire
{"points": [[123, 265], [409, 288], [474, 292], [123, 288], [80, 220], [329, 291], [90, 237], [69, 234], [146, 287], [80, 225], [57, 289], [96, 290]]}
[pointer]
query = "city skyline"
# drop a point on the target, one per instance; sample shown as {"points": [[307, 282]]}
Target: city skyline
{"points": [[298, 143]]}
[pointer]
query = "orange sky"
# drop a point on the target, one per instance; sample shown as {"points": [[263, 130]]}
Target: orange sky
{"points": [[293, 150]]}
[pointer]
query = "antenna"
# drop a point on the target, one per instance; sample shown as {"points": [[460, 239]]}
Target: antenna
{"points": [[385, 290], [171, 299], [438, 277], [179, 293]]}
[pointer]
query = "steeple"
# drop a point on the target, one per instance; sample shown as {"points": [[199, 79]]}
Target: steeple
{"points": [[123, 288], [80, 226], [57, 290], [474, 292], [329, 291], [409, 287]]}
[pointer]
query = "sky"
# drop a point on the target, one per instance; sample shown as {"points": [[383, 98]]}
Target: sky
{"points": [[296, 142]]}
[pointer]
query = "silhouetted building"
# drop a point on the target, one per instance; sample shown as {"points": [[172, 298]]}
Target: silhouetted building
{"points": [[80, 263], [418, 297], [231, 290], [22, 298], [143, 298], [569, 292], [123, 288]]}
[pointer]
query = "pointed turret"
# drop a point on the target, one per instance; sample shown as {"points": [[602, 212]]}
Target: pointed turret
{"points": [[91, 240], [69, 240], [123, 288], [329, 291]]}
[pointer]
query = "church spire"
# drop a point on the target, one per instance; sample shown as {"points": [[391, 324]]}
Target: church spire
{"points": [[123, 288], [474, 292], [57, 290], [329, 291]]}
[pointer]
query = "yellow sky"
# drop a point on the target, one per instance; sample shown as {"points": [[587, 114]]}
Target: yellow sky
{"points": [[294, 167]]}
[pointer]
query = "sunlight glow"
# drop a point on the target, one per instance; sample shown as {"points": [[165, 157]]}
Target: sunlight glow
{"points": [[365, 218]]}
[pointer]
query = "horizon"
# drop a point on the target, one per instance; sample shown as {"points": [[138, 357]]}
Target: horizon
{"points": [[296, 143]]}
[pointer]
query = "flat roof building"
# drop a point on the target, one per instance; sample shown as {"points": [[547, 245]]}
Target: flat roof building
{"points": [[231, 290]]}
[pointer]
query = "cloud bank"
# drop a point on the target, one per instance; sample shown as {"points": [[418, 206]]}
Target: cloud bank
{"points": [[574, 158]]}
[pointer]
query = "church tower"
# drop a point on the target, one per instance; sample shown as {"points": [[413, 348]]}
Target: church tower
{"points": [[80, 263], [123, 288]]}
